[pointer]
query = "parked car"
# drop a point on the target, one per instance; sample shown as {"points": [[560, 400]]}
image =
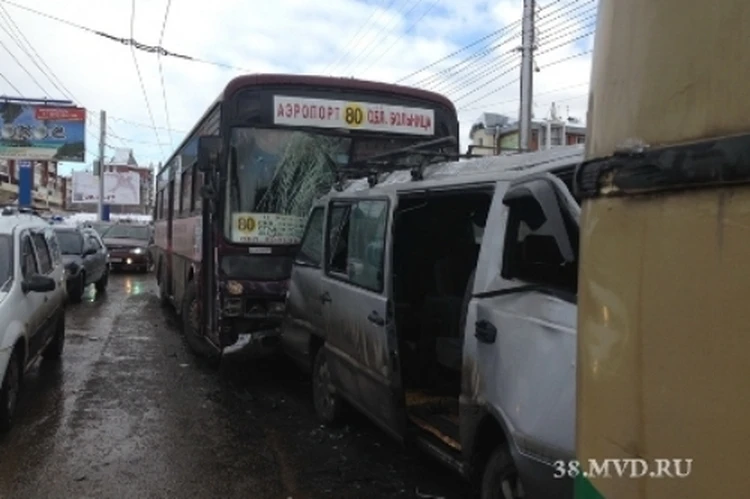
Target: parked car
{"points": [[129, 246], [32, 302], [444, 308], [86, 260]]}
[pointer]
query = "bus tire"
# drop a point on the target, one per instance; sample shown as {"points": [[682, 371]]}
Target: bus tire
{"points": [[161, 278], [191, 320]]}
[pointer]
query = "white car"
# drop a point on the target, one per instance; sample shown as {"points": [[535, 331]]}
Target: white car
{"points": [[32, 302]]}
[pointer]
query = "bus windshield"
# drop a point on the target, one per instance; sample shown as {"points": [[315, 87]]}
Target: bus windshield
{"points": [[274, 177]]}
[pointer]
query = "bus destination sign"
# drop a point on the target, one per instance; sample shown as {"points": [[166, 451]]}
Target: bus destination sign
{"points": [[324, 113]]}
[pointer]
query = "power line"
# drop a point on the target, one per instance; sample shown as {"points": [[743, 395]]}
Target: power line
{"points": [[408, 30], [161, 72], [140, 78], [46, 93], [134, 44], [11, 84], [350, 44]]}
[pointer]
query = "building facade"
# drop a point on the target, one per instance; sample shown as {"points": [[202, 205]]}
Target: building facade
{"points": [[48, 188], [122, 161], [494, 134]]}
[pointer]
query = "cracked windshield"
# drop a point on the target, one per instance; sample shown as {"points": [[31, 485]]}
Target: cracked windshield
{"points": [[274, 177]]}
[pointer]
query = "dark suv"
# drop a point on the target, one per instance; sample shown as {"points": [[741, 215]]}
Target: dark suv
{"points": [[129, 246]]}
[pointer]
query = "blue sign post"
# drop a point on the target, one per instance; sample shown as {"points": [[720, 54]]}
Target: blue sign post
{"points": [[25, 182], [105, 212]]}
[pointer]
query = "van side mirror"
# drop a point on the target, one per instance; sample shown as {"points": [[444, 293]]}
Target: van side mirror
{"points": [[209, 152]]}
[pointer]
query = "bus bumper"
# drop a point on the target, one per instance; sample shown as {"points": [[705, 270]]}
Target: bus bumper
{"points": [[255, 345]]}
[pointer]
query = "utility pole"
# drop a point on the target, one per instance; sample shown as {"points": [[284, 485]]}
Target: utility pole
{"points": [[527, 74], [102, 141]]}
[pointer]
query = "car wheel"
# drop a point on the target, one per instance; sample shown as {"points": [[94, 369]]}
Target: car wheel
{"points": [[500, 477], [101, 284], [191, 324], [9, 392], [328, 404], [54, 350]]}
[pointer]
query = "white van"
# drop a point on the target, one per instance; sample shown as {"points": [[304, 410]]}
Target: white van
{"points": [[442, 304]]}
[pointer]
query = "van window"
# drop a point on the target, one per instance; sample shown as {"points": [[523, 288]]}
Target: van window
{"points": [[357, 242], [532, 253], [42, 253], [311, 248]]}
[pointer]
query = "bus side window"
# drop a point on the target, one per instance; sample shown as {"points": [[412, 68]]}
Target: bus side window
{"points": [[197, 184], [187, 190]]}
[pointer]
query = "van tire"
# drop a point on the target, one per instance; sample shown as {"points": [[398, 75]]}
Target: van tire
{"points": [[499, 469], [329, 406]]}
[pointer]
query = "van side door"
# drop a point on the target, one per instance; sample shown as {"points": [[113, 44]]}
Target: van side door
{"points": [[520, 330], [358, 314], [304, 309]]}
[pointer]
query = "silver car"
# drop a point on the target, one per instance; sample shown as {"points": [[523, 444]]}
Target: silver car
{"points": [[32, 302]]}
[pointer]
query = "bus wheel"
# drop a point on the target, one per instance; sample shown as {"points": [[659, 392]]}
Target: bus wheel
{"points": [[161, 281], [191, 323], [500, 477]]}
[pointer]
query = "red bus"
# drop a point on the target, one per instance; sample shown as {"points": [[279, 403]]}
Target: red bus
{"points": [[233, 200]]}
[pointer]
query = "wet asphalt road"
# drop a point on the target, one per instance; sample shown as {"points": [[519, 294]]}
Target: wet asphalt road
{"points": [[129, 412]]}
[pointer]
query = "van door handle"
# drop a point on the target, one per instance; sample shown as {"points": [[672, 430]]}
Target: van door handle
{"points": [[375, 318], [325, 297], [485, 331]]}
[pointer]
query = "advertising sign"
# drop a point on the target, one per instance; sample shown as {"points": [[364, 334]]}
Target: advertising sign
{"points": [[119, 188], [267, 228], [42, 133], [324, 113]]}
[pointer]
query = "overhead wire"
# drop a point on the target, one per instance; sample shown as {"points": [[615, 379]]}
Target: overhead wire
{"points": [[408, 30], [161, 73], [134, 44], [384, 31], [140, 77], [10, 83], [350, 44]]}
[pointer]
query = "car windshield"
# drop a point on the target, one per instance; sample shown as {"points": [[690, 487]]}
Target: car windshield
{"points": [[6, 259], [71, 242], [141, 232], [100, 228]]}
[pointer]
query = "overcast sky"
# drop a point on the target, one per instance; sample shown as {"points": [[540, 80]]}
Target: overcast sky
{"points": [[384, 40]]}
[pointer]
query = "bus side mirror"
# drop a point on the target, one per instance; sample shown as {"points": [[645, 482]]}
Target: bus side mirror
{"points": [[209, 151]]}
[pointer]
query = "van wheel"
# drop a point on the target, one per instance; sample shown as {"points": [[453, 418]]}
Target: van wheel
{"points": [[500, 477], [9, 392], [54, 350], [328, 404]]}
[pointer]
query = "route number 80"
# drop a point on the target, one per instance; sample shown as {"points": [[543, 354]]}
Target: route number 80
{"points": [[245, 224], [353, 115]]}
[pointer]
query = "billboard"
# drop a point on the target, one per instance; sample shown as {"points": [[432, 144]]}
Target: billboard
{"points": [[119, 188], [42, 133]]}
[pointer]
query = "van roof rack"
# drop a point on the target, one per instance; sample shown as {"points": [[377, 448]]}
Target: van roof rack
{"points": [[414, 158]]}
